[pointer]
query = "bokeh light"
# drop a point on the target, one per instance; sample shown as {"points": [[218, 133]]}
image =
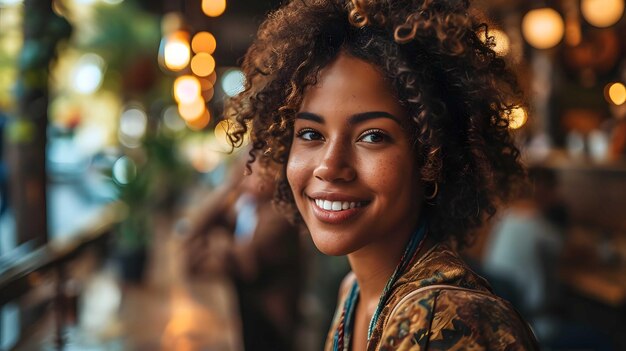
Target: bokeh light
{"points": [[172, 120], [602, 13], [501, 39], [87, 77], [192, 110], [212, 78], [575, 144], [203, 42], [10, 2], [133, 126], [205, 83], [598, 145], [233, 82], [221, 135], [503, 44], [186, 89], [203, 64], [124, 170], [200, 122], [200, 154], [543, 28], [213, 8], [177, 52], [171, 22], [616, 93], [205, 161], [11, 42], [207, 95], [517, 117]]}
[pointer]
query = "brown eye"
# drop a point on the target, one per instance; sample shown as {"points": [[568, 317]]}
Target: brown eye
{"points": [[374, 137], [309, 134]]}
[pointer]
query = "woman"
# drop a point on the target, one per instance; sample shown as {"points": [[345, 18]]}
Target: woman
{"points": [[390, 121]]}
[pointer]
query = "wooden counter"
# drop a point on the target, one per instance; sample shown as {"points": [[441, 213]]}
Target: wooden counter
{"points": [[605, 285]]}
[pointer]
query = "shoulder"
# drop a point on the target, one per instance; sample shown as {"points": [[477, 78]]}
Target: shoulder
{"points": [[442, 317]]}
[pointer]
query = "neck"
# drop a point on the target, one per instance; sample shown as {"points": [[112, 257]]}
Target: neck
{"points": [[373, 266]]}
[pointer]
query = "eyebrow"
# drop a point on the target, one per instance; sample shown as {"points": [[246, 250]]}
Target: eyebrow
{"points": [[352, 120]]}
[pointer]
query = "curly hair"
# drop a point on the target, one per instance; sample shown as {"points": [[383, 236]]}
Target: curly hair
{"points": [[457, 91]]}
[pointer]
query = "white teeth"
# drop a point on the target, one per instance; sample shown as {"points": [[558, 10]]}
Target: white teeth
{"points": [[328, 205], [336, 205]]}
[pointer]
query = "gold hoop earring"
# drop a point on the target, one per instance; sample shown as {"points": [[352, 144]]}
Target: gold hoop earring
{"points": [[434, 194]]}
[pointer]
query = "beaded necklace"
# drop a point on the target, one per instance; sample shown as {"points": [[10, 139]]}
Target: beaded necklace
{"points": [[343, 334]]}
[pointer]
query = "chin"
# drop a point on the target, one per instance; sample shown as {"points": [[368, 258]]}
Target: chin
{"points": [[330, 250], [326, 245]]}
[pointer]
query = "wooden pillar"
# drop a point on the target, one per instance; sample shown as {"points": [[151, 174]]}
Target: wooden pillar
{"points": [[43, 29]]}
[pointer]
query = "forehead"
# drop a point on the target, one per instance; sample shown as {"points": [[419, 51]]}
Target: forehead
{"points": [[350, 85]]}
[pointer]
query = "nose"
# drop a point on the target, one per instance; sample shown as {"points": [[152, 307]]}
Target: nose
{"points": [[336, 164]]}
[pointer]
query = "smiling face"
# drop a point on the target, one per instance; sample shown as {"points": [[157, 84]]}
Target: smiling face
{"points": [[351, 167]]}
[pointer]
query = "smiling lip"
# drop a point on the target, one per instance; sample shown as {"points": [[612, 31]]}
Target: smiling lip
{"points": [[339, 208]]}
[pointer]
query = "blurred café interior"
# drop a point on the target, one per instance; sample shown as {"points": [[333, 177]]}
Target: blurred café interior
{"points": [[126, 224]]}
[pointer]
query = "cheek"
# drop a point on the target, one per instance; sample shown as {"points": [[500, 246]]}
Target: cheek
{"points": [[396, 177], [295, 173]]}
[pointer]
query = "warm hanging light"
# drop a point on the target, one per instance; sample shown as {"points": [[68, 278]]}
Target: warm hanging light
{"points": [[200, 122], [205, 83], [207, 89], [616, 93], [213, 8], [543, 28], [222, 128], [212, 78], [602, 13], [207, 95], [517, 117], [177, 52], [193, 110], [202, 64], [203, 42], [503, 44], [186, 89], [501, 41]]}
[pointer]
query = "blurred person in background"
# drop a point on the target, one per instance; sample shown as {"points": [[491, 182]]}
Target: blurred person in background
{"points": [[238, 232], [523, 250], [521, 260]]}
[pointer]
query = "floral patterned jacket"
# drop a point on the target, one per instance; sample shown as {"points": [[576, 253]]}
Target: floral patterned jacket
{"points": [[441, 304]]}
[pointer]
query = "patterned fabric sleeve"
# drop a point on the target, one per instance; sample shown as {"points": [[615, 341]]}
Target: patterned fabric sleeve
{"points": [[409, 325], [455, 319]]}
